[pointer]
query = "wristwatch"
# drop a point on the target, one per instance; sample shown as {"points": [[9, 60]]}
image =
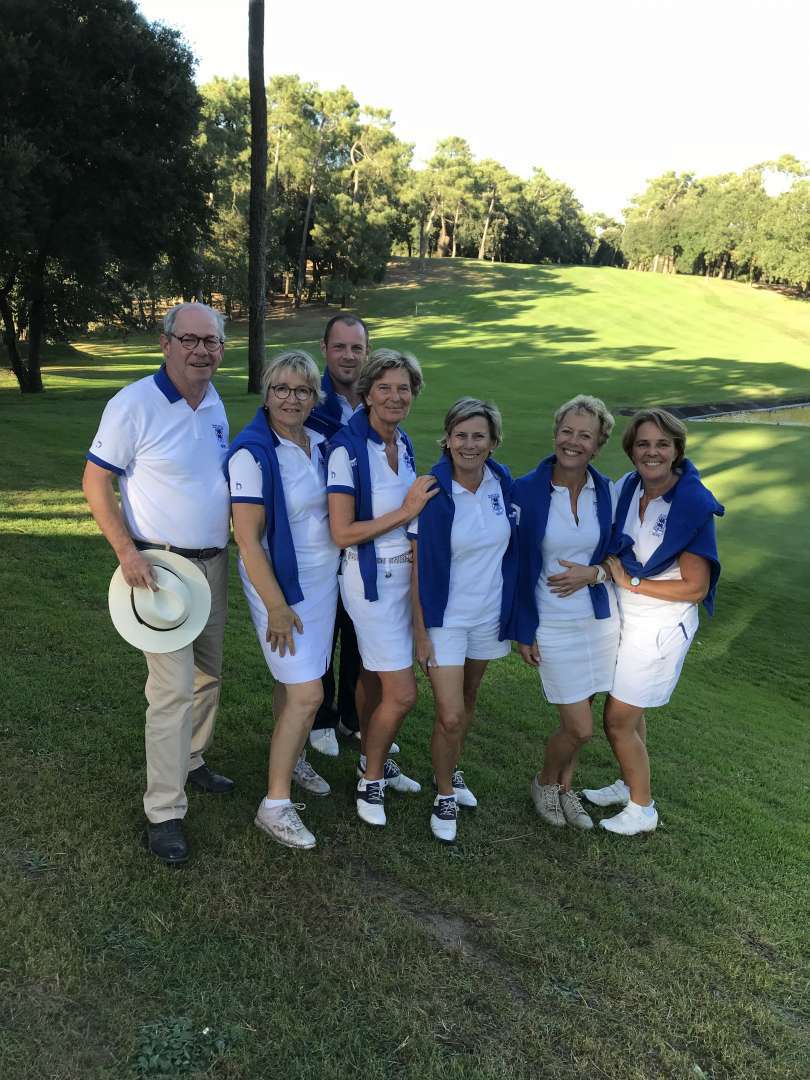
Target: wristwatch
{"points": [[635, 582], [601, 575]]}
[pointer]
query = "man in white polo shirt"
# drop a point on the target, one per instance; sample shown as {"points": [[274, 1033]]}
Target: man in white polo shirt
{"points": [[164, 438]]}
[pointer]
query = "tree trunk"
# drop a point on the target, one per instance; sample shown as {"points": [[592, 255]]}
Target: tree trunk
{"points": [[456, 216], [257, 244], [10, 334], [482, 247]]}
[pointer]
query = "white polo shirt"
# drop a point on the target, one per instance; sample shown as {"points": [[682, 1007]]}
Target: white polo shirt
{"points": [[304, 480], [647, 536], [388, 488], [565, 538], [479, 538], [346, 410], [168, 458]]}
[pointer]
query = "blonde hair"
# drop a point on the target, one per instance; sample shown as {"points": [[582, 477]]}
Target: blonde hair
{"points": [[386, 360], [587, 404], [297, 361]]}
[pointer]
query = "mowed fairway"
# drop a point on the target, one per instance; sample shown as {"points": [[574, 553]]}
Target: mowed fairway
{"points": [[518, 952]]}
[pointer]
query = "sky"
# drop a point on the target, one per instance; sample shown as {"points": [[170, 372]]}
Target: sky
{"points": [[603, 94]]}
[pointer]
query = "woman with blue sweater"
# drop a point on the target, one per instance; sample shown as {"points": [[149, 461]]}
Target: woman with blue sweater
{"points": [[665, 564], [373, 494], [465, 550], [565, 618], [288, 566]]}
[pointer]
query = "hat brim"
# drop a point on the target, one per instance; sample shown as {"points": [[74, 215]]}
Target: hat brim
{"points": [[161, 641]]}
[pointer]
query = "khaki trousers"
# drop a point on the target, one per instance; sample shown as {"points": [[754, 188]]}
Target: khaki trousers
{"points": [[182, 690]]}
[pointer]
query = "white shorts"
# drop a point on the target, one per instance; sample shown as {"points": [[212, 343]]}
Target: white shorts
{"points": [[577, 657], [650, 659], [452, 645], [313, 648], [384, 626]]}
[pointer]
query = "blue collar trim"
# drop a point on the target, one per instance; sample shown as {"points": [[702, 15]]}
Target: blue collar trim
{"points": [[166, 386]]}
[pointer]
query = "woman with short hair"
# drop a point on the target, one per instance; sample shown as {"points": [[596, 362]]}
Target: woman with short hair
{"points": [[665, 564], [373, 494], [565, 618], [288, 566], [465, 550]]}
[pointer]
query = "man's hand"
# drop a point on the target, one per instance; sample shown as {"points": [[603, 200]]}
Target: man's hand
{"points": [[281, 621], [138, 572]]}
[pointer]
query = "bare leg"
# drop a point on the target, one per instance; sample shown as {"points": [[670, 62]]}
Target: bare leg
{"points": [[294, 708], [455, 690], [626, 732], [567, 774], [576, 728], [397, 697]]}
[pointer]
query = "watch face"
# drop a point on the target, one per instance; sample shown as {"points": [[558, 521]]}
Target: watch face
{"points": [[635, 582]]}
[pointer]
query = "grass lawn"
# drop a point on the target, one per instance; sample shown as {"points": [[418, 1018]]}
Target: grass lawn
{"points": [[519, 951]]}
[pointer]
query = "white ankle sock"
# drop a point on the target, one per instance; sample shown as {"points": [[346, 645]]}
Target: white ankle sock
{"points": [[649, 809], [271, 804], [362, 763]]}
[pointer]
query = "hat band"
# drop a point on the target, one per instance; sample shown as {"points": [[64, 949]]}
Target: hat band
{"points": [[143, 622]]}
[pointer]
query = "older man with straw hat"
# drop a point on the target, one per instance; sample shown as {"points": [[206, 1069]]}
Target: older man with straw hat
{"points": [[164, 438]]}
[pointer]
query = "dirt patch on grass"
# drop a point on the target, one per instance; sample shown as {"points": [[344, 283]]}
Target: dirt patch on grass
{"points": [[717, 408]]}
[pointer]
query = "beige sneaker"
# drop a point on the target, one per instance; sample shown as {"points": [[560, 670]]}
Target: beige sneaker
{"points": [[284, 825], [546, 798], [573, 810], [305, 776]]}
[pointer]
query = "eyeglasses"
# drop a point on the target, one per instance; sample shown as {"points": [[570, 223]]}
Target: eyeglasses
{"points": [[191, 341], [300, 393]]}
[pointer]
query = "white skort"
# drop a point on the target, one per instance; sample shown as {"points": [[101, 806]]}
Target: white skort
{"points": [[453, 645], [651, 657], [313, 648], [384, 626], [577, 657]]}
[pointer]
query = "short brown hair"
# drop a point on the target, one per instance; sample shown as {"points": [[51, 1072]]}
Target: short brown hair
{"points": [[382, 360], [663, 420], [465, 409]]}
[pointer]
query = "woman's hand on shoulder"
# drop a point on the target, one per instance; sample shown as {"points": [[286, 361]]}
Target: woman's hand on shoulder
{"points": [[419, 494], [281, 621], [575, 577], [425, 656], [530, 654]]}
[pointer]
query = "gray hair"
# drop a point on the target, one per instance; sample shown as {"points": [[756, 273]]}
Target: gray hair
{"points": [[587, 404], [297, 361], [385, 360], [170, 318], [465, 409]]}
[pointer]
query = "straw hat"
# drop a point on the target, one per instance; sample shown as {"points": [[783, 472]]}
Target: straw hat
{"points": [[168, 619]]}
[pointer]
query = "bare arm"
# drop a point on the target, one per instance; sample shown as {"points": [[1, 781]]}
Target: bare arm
{"points": [[346, 531], [424, 647], [97, 484], [248, 529], [692, 587]]}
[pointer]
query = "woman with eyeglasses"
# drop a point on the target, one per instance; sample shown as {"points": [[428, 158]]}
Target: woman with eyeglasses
{"points": [[288, 566], [373, 494]]}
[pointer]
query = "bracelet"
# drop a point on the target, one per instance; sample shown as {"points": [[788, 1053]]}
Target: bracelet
{"points": [[601, 575]]}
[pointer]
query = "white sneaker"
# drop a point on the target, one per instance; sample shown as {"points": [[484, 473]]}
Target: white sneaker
{"points": [[573, 810], [615, 794], [464, 797], [632, 820], [396, 779], [284, 825], [305, 776], [444, 818], [370, 798], [546, 799], [324, 741], [347, 733], [393, 748]]}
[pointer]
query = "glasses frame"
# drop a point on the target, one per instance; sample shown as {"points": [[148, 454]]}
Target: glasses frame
{"points": [[294, 390], [197, 339]]}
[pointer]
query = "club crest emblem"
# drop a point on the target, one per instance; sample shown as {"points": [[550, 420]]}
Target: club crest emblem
{"points": [[497, 505], [660, 525], [219, 432]]}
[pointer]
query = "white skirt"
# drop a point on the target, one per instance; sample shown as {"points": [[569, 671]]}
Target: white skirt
{"points": [[577, 657], [313, 648], [650, 659], [384, 626]]}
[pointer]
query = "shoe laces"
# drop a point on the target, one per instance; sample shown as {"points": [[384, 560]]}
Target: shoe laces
{"points": [[445, 810], [289, 818], [305, 770], [391, 770], [551, 796], [458, 779], [574, 801], [374, 792]]}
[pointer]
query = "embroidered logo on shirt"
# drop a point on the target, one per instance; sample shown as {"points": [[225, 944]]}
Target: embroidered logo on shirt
{"points": [[219, 432], [514, 513], [238, 486], [97, 443], [497, 505], [660, 525]]}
